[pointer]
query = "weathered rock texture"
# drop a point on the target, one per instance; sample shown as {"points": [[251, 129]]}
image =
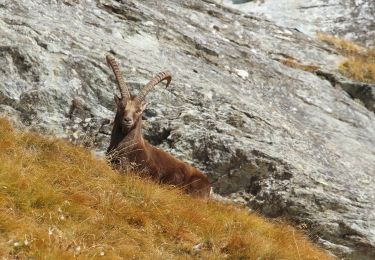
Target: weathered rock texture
{"points": [[351, 19], [286, 141]]}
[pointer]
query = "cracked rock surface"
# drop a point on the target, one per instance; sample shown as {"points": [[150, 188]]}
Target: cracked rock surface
{"points": [[350, 19], [288, 143]]}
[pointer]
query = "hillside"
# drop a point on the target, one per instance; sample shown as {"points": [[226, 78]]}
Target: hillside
{"points": [[265, 111], [57, 201]]}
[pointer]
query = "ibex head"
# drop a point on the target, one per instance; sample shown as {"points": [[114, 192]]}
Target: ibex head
{"points": [[130, 108]]}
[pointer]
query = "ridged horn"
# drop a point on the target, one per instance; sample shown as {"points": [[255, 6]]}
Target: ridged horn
{"points": [[124, 90], [166, 75]]}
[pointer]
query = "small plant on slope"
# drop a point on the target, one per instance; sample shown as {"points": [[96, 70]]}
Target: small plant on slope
{"points": [[360, 62]]}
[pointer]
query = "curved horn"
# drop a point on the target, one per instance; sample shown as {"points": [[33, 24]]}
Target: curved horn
{"points": [[124, 90], [166, 75]]}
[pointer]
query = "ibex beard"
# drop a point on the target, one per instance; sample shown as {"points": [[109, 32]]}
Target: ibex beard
{"points": [[127, 146]]}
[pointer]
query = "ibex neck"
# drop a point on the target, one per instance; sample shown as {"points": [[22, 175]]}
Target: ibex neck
{"points": [[135, 133]]}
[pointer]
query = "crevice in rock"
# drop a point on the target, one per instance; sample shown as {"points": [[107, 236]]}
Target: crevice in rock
{"points": [[357, 90], [316, 6], [19, 23], [24, 64], [157, 134], [122, 11], [251, 116]]}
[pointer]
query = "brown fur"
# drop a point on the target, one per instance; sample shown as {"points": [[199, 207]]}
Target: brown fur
{"points": [[128, 147]]}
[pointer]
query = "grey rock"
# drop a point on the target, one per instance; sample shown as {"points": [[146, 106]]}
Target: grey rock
{"points": [[285, 142], [353, 20], [364, 92]]}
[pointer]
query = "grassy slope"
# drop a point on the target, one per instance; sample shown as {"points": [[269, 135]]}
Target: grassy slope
{"points": [[57, 201], [360, 62]]}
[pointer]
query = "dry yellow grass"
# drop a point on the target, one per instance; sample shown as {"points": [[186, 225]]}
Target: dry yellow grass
{"points": [[58, 202], [360, 62], [292, 63]]}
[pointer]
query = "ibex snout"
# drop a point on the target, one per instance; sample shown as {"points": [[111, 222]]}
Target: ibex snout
{"points": [[128, 121]]}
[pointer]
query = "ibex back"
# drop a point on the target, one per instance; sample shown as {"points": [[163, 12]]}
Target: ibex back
{"points": [[128, 147]]}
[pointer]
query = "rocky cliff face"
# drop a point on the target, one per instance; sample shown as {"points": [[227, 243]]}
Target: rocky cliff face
{"points": [[351, 19], [286, 142]]}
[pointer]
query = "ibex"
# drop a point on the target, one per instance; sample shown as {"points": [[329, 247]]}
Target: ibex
{"points": [[128, 146]]}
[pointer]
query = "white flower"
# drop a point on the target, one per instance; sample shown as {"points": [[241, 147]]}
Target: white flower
{"points": [[198, 247]]}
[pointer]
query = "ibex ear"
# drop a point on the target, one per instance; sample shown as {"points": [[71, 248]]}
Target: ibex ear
{"points": [[117, 100]]}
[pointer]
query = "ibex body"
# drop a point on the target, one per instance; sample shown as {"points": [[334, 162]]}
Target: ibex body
{"points": [[128, 146]]}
